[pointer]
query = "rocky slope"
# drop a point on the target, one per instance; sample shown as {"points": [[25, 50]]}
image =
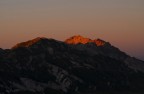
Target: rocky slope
{"points": [[48, 66]]}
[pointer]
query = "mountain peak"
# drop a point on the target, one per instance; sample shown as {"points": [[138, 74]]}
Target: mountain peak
{"points": [[82, 40], [78, 39], [48, 66], [99, 42], [29, 43]]}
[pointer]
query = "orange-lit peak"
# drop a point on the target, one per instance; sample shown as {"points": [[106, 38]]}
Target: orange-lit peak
{"points": [[29, 43], [99, 42], [80, 39]]}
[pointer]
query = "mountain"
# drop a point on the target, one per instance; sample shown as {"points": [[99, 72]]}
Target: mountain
{"points": [[81, 40], [76, 66]]}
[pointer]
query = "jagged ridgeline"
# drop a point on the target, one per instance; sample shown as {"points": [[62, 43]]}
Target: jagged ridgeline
{"points": [[77, 66]]}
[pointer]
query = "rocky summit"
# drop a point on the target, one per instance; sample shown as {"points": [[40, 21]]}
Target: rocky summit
{"points": [[77, 66], [81, 40]]}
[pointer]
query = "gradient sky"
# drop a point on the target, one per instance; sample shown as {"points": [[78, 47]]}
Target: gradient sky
{"points": [[121, 22]]}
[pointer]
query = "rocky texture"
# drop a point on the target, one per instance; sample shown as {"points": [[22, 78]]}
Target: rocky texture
{"points": [[78, 39], [81, 40], [96, 46], [48, 66]]}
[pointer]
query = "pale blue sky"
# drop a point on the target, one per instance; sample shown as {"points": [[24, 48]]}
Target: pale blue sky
{"points": [[120, 22]]}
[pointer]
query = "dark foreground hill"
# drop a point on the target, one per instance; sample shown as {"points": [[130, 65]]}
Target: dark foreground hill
{"points": [[78, 65]]}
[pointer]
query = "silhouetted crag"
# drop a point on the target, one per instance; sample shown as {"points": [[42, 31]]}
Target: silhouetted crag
{"points": [[48, 66]]}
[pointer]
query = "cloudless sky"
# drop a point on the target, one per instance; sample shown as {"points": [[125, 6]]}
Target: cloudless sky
{"points": [[121, 22]]}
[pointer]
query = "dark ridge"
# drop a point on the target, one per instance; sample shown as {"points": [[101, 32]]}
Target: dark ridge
{"points": [[48, 66]]}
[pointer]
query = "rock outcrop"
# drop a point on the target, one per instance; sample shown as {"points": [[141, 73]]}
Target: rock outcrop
{"points": [[81, 40]]}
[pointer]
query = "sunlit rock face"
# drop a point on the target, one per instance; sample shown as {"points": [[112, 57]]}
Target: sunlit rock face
{"points": [[77, 66], [99, 42], [96, 46], [81, 40], [78, 39], [29, 43]]}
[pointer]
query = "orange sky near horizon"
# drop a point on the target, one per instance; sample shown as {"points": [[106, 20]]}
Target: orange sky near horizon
{"points": [[121, 22]]}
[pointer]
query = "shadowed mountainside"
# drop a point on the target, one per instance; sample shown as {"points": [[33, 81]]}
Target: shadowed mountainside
{"points": [[48, 66]]}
